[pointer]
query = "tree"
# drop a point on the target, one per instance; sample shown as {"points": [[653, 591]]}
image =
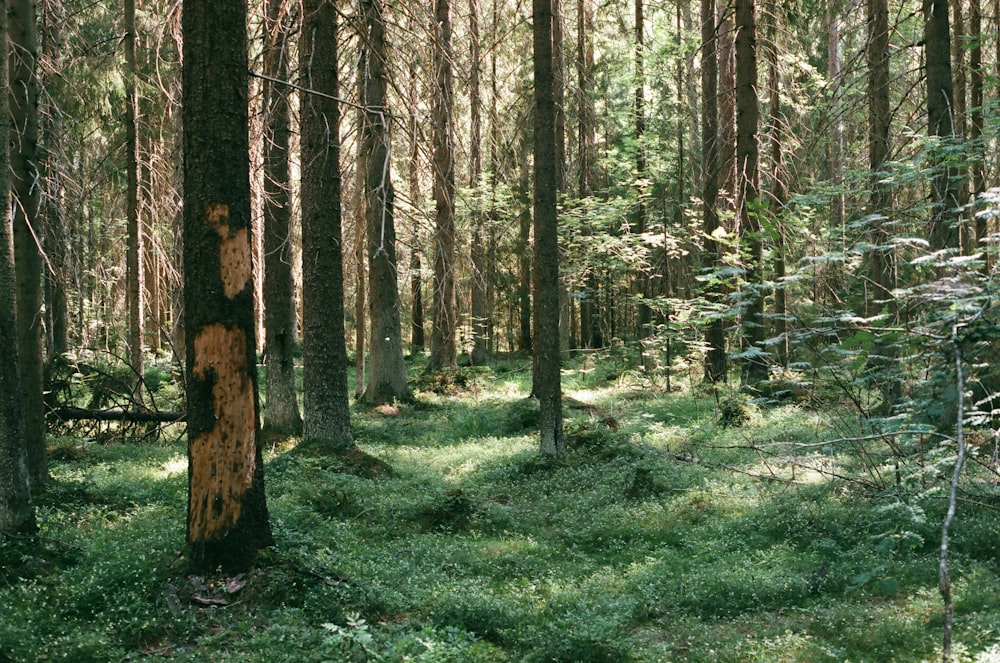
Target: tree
{"points": [[748, 191], [324, 352], [386, 370], [944, 232], [281, 411], [227, 512], [134, 278], [23, 109], [17, 515], [480, 312], [715, 333], [443, 351], [547, 384], [416, 278]]}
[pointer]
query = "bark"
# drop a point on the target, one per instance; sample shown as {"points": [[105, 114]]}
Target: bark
{"points": [[480, 312], [881, 259], [748, 191], [281, 410], [416, 278], [360, 273], [642, 281], [135, 243], [836, 150], [17, 514], [443, 350], [523, 293], [715, 333], [590, 321], [727, 111], [944, 231], [324, 351], [227, 513], [978, 162], [546, 250], [779, 194], [386, 372], [23, 110]]}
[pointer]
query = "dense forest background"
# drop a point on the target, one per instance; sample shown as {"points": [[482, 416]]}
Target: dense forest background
{"points": [[756, 204]]}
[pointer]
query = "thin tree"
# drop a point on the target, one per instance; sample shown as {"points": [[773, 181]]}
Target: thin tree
{"points": [[547, 382], [748, 191], [590, 320], [779, 190], [227, 513], [17, 514], [281, 410], [443, 350], [639, 221], [976, 124], [324, 352], [23, 108], [480, 312], [416, 278], [715, 332], [134, 292], [386, 370]]}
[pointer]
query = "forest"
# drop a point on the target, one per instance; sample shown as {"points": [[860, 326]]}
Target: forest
{"points": [[500, 331]]}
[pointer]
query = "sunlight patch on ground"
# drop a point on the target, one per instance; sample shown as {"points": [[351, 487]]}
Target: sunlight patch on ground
{"points": [[173, 467]]}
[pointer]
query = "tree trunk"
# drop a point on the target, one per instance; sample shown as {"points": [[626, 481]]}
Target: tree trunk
{"points": [[881, 259], [443, 350], [978, 161], [23, 101], [642, 281], [836, 150], [17, 515], [523, 293], [134, 252], [416, 278], [727, 112], [480, 312], [590, 320], [324, 351], [748, 192], [546, 250], [386, 372], [360, 261], [227, 512], [281, 409], [944, 231], [779, 191], [715, 332]]}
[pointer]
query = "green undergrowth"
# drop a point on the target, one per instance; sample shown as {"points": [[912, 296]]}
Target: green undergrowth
{"points": [[670, 531]]}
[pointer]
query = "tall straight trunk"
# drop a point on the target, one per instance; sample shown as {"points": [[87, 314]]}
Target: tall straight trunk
{"points": [[590, 321], [23, 109], [727, 111], [17, 514], [326, 417], [779, 191], [443, 349], [55, 227], [416, 278], [491, 237], [715, 332], [836, 150], [978, 161], [227, 512], [361, 271], [547, 383], [281, 409], [944, 231], [386, 370], [524, 284], [134, 251], [748, 192], [881, 259], [639, 223], [479, 310]]}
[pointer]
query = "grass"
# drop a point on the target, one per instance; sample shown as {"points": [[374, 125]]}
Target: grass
{"points": [[662, 536]]}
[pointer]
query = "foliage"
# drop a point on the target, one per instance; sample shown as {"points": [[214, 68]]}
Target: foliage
{"points": [[661, 535]]}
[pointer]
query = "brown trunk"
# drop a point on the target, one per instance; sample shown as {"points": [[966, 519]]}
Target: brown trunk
{"points": [[416, 279], [944, 231], [642, 281], [546, 380], [480, 311], [443, 349], [977, 166], [17, 515], [715, 333], [727, 112], [836, 150], [748, 192], [779, 194], [134, 253], [386, 371], [281, 409], [23, 109], [227, 513], [326, 417]]}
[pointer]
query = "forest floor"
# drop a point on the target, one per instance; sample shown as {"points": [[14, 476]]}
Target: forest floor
{"points": [[680, 526]]}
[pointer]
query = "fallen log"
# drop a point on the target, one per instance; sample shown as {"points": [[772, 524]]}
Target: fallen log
{"points": [[68, 413]]}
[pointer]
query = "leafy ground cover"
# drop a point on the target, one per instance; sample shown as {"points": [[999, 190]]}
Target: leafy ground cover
{"points": [[672, 531]]}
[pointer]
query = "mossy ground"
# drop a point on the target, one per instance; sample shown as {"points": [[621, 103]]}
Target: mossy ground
{"points": [[663, 535]]}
